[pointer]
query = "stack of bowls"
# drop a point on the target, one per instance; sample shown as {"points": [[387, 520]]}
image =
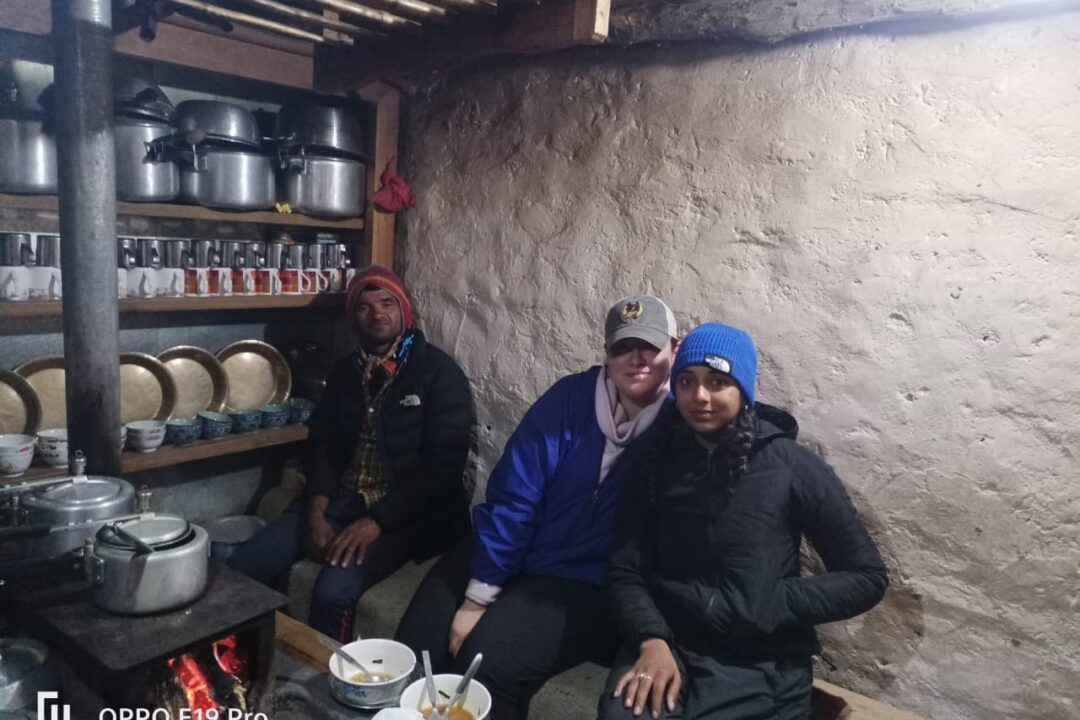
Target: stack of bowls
{"points": [[52, 446], [146, 436], [16, 454]]}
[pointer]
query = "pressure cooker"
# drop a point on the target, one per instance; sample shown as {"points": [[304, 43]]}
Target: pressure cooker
{"points": [[73, 508], [148, 563]]}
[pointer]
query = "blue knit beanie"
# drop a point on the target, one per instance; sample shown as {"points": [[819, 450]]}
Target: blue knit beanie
{"points": [[723, 348]]}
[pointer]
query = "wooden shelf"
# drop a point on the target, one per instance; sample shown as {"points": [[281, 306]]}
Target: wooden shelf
{"points": [[190, 212], [50, 308], [169, 455]]}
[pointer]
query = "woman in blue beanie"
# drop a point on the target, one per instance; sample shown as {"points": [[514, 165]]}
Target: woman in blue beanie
{"points": [[715, 618]]}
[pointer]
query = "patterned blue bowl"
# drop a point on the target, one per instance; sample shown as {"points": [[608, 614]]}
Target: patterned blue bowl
{"points": [[246, 420], [183, 431], [274, 416], [215, 425], [300, 410]]}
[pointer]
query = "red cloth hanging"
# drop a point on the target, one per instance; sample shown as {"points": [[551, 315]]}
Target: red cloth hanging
{"points": [[394, 194]]}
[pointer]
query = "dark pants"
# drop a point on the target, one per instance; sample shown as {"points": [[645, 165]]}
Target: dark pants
{"points": [[538, 627], [268, 556], [721, 690]]}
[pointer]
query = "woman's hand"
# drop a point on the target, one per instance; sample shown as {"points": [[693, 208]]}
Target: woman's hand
{"points": [[653, 679], [465, 620]]}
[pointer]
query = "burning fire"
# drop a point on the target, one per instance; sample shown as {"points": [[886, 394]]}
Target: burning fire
{"points": [[197, 689], [228, 659]]}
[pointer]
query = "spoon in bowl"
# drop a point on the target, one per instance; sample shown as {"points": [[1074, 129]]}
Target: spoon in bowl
{"points": [[340, 652]]}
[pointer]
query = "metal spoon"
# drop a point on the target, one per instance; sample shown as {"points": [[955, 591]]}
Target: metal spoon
{"points": [[429, 679], [464, 684], [340, 652]]}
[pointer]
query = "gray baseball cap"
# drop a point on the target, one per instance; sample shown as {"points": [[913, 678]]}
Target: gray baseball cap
{"points": [[643, 317]]}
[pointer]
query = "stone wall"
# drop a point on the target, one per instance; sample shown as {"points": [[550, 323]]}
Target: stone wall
{"points": [[892, 216]]}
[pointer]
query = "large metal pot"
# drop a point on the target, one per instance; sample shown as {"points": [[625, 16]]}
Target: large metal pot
{"points": [[148, 564], [228, 179], [324, 186], [321, 128], [140, 175], [218, 121], [75, 508], [26, 668], [27, 156]]}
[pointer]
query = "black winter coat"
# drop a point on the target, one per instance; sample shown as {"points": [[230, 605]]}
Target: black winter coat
{"points": [[716, 569], [424, 433]]}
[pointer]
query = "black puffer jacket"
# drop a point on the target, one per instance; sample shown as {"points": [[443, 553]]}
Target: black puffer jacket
{"points": [[424, 434], [716, 570]]}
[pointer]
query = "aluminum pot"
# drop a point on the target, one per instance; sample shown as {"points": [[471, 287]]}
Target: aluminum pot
{"points": [[324, 186], [228, 179], [26, 668], [322, 128], [27, 156], [141, 177], [228, 533], [147, 564], [218, 121], [135, 97]]}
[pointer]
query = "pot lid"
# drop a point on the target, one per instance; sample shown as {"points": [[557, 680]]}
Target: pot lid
{"points": [[95, 490], [152, 529]]}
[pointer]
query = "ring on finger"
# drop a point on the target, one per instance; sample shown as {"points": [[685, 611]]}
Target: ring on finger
{"points": [[644, 676]]}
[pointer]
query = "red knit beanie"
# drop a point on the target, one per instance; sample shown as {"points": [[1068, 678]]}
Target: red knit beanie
{"points": [[383, 278]]}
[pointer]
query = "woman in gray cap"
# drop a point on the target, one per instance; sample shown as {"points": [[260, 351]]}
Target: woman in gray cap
{"points": [[527, 589]]}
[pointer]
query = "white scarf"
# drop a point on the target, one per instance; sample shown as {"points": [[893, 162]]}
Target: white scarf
{"points": [[615, 423]]}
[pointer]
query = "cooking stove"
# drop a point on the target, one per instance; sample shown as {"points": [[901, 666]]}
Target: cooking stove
{"points": [[215, 652]]}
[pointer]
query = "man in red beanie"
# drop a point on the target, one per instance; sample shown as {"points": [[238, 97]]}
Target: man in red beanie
{"points": [[385, 464]]}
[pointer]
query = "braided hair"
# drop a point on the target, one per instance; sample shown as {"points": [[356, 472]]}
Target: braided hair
{"points": [[732, 453]]}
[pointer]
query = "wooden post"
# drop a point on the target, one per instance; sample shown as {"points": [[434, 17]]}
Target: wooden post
{"points": [[378, 225]]}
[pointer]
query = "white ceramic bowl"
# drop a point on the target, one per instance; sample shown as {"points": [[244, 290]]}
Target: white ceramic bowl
{"points": [[377, 655], [145, 435], [477, 698], [16, 454], [52, 446]]}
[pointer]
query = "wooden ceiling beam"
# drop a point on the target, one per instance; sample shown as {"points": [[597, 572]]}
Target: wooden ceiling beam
{"points": [[532, 29]]}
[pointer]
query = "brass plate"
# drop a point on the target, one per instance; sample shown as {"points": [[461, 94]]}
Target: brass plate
{"points": [[20, 409], [147, 388], [201, 382], [46, 375], [258, 375]]}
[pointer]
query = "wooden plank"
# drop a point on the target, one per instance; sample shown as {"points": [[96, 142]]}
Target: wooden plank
{"points": [[28, 16], [54, 308], [209, 51], [592, 18], [192, 212], [301, 642], [169, 455], [379, 226]]}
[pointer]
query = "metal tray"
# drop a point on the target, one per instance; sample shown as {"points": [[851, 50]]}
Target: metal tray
{"points": [[46, 375], [201, 382], [147, 388], [258, 375], [20, 409]]}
